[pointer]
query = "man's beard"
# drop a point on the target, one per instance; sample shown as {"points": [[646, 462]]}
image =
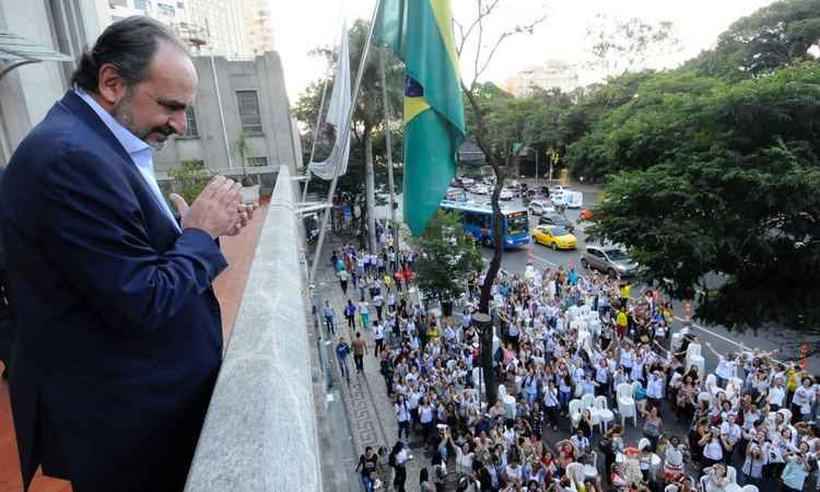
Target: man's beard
{"points": [[124, 115]]}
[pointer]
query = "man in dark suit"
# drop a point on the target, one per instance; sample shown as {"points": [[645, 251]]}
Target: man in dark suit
{"points": [[118, 339], [5, 312]]}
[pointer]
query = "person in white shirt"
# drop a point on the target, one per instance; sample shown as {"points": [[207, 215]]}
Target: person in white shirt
{"points": [[803, 400], [777, 395], [378, 338]]}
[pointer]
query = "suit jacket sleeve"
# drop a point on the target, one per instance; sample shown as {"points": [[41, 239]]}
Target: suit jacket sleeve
{"points": [[96, 235]]}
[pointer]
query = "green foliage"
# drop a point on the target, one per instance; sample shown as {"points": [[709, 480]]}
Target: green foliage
{"points": [[774, 36], [446, 257], [723, 179], [189, 179]]}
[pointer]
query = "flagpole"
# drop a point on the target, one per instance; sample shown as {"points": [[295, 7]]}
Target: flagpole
{"points": [[332, 192], [389, 143], [315, 136]]}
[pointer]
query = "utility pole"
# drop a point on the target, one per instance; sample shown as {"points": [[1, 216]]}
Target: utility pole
{"points": [[389, 143], [536, 169], [370, 181]]}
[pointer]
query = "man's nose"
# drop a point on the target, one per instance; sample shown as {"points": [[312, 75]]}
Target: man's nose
{"points": [[179, 122]]}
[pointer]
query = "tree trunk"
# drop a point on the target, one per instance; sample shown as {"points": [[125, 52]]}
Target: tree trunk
{"points": [[371, 190], [487, 330]]}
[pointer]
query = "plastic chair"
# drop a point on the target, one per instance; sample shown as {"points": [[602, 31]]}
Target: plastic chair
{"points": [[605, 415], [588, 401], [576, 470], [626, 404], [731, 474], [575, 412], [711, 383], [697, 362]]}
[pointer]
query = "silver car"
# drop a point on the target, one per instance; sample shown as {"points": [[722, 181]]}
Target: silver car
{"points": [[611, 260]]}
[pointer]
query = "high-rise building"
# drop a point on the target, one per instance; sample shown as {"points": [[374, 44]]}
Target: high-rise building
{"points": [[235, 29], [258, 18], [552, 74]]}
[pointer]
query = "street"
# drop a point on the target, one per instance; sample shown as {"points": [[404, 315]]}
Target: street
{"points": [[723, 340]]}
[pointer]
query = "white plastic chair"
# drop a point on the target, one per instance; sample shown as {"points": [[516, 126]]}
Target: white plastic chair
{"points": [[588, 401], [697, 362], [575, 412], [502, 391], [731, 474], [576, 470], [626, 404], [605, 415], [711, 384]]}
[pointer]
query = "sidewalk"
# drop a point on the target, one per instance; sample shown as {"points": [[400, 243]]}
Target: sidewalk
{"points": [[370, 411]]}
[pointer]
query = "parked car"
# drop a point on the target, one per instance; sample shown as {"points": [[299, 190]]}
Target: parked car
{"points": [[506, 195], [540, 207], [480, 189], [467, 182], [555, 237], [612, 260], [558, 220]]}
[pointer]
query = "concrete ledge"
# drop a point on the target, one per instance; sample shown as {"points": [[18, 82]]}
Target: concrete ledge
{"points": [[260, 433]]}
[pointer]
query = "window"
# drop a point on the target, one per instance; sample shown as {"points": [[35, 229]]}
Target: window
{"points": [[257, 161], [139, 4], [192, 130], [249, 111], [166, 9], [117, 3]]}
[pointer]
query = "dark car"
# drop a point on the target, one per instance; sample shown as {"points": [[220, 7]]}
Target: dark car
{"points": [[556, 220]]}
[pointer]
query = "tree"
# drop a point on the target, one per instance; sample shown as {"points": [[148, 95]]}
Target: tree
{"points": [[189, 179], [725, 200], [627, 45], [772, 37], [497, 152], [446, 257]]}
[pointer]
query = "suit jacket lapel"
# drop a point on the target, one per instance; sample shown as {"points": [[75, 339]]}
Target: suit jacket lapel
{"points": [[77, 106]]}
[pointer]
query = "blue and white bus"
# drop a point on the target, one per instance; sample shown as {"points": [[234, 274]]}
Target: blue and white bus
{"points": [[478, 222]]}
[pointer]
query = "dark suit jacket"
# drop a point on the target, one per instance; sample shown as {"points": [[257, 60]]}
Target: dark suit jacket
{"points": [[118, 336]]}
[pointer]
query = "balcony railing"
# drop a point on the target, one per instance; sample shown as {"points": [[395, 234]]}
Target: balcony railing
{"points": [[260, 433]]}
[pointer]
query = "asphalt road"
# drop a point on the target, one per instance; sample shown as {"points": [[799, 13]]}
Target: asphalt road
{"points": [[721, 339]]}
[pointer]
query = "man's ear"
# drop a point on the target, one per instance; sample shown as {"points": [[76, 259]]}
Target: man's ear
{"points": [[111, 86]]}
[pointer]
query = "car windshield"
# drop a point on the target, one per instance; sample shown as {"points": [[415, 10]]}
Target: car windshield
{"points": [[559, 231], [517, 224], [617, 255]]}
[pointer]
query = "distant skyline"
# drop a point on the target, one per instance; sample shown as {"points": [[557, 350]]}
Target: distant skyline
{"points": [[303, 25]]}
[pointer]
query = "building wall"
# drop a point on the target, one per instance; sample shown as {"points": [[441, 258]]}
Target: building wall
{"points": [[265, 76], [27, 92]]}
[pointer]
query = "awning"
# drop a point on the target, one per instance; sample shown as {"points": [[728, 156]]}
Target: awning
{"points": [[16, 51]]}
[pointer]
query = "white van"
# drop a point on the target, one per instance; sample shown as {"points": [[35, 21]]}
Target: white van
{"points": [[573, 199]]}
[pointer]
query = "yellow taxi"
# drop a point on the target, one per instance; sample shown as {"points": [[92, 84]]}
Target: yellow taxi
{"points": [[555, 237]]}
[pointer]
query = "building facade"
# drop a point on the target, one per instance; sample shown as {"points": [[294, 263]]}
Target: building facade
{"points": [[234, 29], [551, 75], [239, 105], [28, 91]]}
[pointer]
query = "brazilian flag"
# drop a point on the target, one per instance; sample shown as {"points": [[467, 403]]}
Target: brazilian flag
{"points": [[420, 33]]}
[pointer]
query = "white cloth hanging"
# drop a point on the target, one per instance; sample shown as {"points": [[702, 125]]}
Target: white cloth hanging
{"points": [[337, 115]]}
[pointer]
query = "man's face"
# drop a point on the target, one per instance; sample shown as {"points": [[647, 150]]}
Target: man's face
{"points": [[154, 109]]}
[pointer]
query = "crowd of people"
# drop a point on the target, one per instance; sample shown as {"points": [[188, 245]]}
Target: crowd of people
{"points": [[573, 357]]}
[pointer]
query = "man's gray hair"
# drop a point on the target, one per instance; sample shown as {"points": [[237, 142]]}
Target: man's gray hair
{"points": [[129, 45]]}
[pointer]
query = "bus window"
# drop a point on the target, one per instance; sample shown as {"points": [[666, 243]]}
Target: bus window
{"points": [[517, 223]]}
